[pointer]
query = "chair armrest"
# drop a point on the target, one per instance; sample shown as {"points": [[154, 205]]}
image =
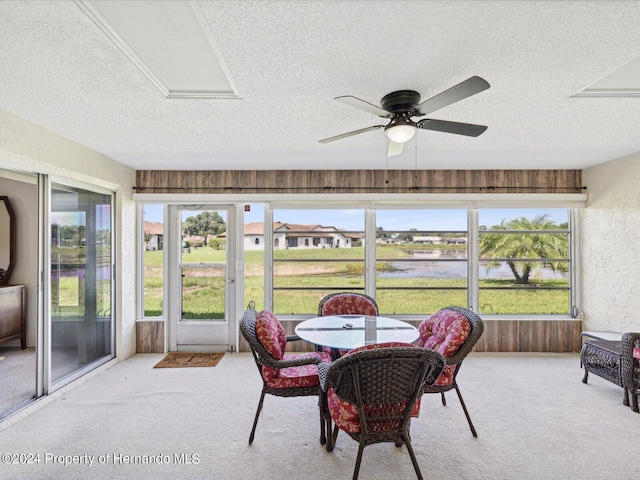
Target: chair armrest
{"points": [[284, 363], [293, 338], [323, 368]]}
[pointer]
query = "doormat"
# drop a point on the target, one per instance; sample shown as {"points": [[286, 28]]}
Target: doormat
{"points": [[189, 359]]}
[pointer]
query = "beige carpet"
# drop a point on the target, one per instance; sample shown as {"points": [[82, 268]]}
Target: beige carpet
{"points": [[534, 416], [189, 359], [17, 376]]}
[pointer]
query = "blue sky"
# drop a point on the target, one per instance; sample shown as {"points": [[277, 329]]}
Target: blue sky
{"points": [[446, 219]]}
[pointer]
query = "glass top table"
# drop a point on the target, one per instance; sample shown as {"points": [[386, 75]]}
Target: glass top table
{"points": [[351, 331]]}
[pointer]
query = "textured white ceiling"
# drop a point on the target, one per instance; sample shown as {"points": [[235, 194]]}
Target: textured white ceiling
{"points": [[290, 59]]}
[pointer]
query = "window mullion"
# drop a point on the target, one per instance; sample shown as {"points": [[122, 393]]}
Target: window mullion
{"points": [[370, 252], [268, 257], [472, 258]]}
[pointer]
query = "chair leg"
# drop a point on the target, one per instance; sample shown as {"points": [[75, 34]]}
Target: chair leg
{"points": [[356, 471], [255, 421], [444, 402], [335, 434], [323, 438], [326, 433], [330, 438], [466, 413], [407, 442], [633, 393]]}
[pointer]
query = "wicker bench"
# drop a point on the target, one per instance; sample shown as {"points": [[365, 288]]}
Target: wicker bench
{"points": [[604, 358]]}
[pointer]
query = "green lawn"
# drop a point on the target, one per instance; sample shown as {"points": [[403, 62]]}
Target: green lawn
{"points": [[203, 296]]}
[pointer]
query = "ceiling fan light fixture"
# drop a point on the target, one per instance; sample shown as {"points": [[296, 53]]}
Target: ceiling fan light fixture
{"points": [[401, 133]]}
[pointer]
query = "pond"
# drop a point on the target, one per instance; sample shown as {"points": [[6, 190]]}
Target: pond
{"points": [[453, 265]]}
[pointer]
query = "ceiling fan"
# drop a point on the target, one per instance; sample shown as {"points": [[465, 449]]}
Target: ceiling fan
{"points": [[402, 105]]}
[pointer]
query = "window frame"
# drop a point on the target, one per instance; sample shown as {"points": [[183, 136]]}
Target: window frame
{"points": [[573, 226], [574, 202], [140, 249], [473, 260]]}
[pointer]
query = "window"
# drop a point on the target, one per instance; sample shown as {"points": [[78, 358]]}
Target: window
{"points": [[81, 329], [302, 276], [413, 261], [254, 271], [524, 261], [421, 260], [152, 262], [498, 261]]}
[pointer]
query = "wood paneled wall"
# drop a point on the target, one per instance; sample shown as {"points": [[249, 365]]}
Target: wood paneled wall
{"points": [[559, 336], [359, 181], [499, 335], [150, 336]]}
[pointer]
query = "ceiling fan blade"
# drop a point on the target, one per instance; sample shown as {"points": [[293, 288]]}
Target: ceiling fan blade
{"points": [[468, 129], [395, 148], [465, 89], [350, 134], [362, 105]]}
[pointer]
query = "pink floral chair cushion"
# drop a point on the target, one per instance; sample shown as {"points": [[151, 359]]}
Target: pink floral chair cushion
{"points": [[345, 414], [444, 332], [636, 353], [271, 334], [273, 338], [348, 304], [301, 376]]}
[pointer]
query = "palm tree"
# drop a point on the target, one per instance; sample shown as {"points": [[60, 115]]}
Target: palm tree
{"points": [[517, 246]]}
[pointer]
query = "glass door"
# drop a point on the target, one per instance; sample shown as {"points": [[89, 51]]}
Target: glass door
{"points": [[206, 283], [81, 327]]}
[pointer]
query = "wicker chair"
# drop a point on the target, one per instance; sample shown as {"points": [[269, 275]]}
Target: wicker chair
{"points": [[345, 303], [452, 331], [282, 376], [371, 393], [631, 367]]}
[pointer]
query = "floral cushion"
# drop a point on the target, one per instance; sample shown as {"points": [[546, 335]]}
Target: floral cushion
{"points": [[348, 304], [271, 334], [273, 338], [636, 353], [345, 414], [300, 376], [444, 332]]}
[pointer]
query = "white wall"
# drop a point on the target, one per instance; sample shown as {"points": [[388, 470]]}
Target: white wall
{"points": [[611, 246], [31, 148]]}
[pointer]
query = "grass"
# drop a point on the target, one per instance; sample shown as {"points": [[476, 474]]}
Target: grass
{"points": [[203, 297]]}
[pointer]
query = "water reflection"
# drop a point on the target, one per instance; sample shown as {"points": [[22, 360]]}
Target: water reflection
{"points": [[454, 265]]}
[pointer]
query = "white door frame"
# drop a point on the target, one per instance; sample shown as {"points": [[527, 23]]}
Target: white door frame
{"points": [[219, 335]]}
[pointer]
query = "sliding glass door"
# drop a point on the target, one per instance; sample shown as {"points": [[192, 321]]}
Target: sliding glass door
{"points": [[81, 328]]}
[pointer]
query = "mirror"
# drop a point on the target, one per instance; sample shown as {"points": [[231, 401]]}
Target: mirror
{"points": [[7, 240]]}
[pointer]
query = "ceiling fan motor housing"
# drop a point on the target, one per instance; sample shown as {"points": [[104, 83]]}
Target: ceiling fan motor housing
{"points": [[401, 101]]}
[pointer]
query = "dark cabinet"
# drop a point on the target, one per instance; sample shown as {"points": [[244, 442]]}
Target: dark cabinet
{"points": [[12, 314]]}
